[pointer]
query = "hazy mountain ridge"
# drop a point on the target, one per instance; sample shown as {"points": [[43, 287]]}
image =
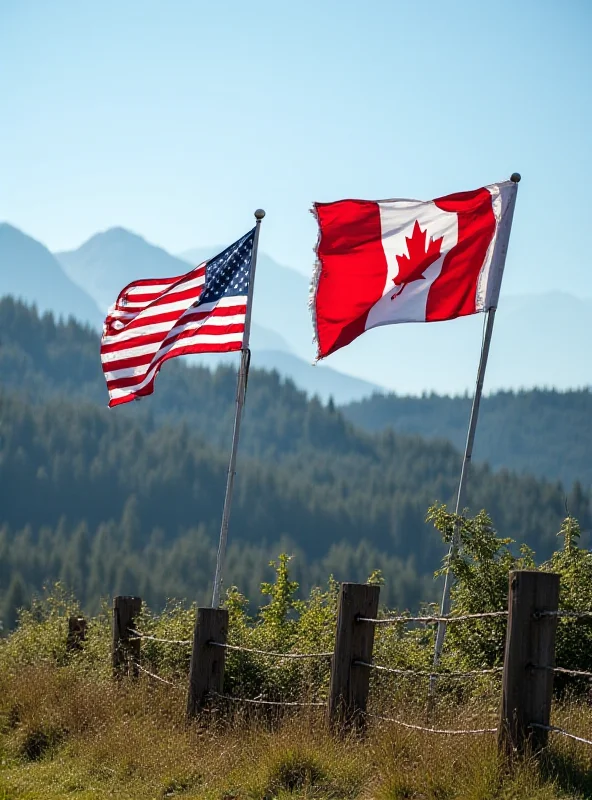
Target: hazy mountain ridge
{"points": [[539, 340], [541, 432], [30, 272]]}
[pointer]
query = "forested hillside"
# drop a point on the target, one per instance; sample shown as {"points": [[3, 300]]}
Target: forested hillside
{"points": [[129, 499], [541, 431]]}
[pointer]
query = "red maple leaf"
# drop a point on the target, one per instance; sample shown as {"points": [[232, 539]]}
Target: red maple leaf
{"points": [[413, 266]]}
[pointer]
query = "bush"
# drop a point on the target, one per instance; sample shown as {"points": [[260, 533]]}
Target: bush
{"points": [[480, 568], [574, 635]]}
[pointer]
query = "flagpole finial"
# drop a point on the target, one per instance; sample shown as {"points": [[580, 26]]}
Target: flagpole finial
{"points": [[515, 177], [259, 214]]}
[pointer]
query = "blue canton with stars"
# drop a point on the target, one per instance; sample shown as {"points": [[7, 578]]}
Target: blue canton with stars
{"points": [[228, 274]]}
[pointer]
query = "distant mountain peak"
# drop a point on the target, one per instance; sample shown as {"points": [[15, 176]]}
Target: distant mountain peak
{"points": [[17, 235], [118, 232], [30, 272], [8, 227], [117, 236]]}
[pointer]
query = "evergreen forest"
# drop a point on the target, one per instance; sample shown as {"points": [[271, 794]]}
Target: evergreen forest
{"points": [[543, 432], [129, 500]]}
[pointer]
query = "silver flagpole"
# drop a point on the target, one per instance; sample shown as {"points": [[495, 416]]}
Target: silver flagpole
{"points": [[243, 374], [460, 497]]}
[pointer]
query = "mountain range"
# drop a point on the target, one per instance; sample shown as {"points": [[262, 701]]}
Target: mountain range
{"points": [[539, 339]]}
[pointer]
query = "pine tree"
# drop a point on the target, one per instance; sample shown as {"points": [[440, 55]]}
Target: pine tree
{"points": [[16, 598]]}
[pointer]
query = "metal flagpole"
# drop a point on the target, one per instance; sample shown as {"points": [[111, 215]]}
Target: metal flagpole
{"points": [[460, 497], [243, 374]]}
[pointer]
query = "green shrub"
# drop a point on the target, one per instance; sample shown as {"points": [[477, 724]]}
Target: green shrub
{"points": [[480, 568], [573, 647]]}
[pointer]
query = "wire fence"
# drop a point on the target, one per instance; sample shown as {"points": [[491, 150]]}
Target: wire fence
{"points": [[427, 674], [136, 635], [262, 702], [555, 729], [270, 653], [157, 677], [576, 673], [444, 731], [140, 636], [431, 620]]}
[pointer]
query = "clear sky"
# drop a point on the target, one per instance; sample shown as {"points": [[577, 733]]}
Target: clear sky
{"points": [[177, 119]]}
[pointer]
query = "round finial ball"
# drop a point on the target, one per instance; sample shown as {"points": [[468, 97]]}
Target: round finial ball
{"points": [[515, 177], [259, 214]]}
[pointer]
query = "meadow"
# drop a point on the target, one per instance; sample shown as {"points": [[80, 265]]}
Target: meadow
{"points": [[69, 734], [68, 728]]}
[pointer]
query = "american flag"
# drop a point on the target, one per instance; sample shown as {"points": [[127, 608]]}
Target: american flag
{"points": [[153, 320]]}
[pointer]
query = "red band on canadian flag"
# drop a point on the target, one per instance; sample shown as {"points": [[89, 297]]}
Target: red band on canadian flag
{"points": [[391, 261]]}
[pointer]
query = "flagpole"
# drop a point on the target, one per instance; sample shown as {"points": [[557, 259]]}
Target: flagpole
{"points": [[460, 497], [241, 389]]}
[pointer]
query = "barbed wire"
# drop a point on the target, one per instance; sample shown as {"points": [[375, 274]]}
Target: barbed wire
{"points": [[430, 620], [157, 677], [269, 652], [261, 701], [575, 672], [560, 613], [447, 732], [555, 729], [426, 673], [139, 635]]}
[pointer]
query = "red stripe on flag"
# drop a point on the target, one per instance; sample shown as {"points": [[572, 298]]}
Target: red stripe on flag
{"points": [[129, 344], [353, 270], [171, 296], [169, 281], [139, 322], [453, 293], [205, 330]]}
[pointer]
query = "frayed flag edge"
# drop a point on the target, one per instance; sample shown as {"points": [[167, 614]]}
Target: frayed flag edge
{"points": [[313, 288]]}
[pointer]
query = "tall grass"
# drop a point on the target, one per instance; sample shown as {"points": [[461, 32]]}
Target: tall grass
{"points": [[67, 733], [67, 729]]}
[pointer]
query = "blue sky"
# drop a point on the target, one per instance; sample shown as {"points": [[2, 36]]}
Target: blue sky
{"points": [[178, 119]]}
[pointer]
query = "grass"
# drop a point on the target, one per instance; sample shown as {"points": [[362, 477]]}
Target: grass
{"points": [[66, 732]]}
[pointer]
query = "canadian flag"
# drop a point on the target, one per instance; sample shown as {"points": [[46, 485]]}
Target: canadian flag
{"points": [[388, 261]]}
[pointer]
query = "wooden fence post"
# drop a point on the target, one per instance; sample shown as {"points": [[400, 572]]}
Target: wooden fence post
{"points": [[76, 633], [125, 647], [530, 647], [348, 691], [206, 673]]}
